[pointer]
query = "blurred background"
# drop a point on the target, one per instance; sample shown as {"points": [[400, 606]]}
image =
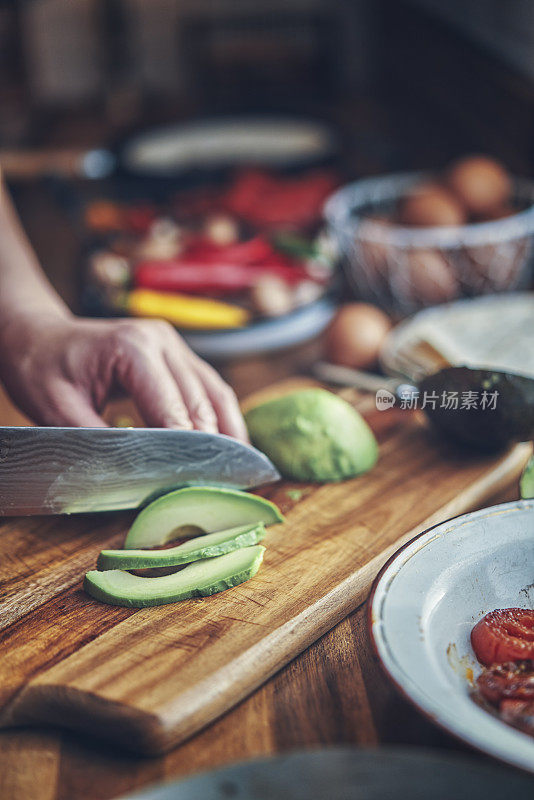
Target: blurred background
{"points": [[409, 82], [390, 85]]}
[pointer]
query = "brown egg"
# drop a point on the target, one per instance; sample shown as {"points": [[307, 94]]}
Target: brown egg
{"points": [[356, 334], [430, 204], [500, 212], [480, 184], [432, 279]]}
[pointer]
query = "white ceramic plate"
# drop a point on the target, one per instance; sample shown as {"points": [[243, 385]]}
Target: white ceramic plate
{"points": [[273, 142], [495, 331], [425, 602]]}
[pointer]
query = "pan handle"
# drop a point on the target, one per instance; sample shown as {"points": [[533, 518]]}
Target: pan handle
{"points": [[63, 162]]}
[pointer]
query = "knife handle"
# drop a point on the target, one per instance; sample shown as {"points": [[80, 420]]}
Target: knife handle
{"points": [[355, 378]]}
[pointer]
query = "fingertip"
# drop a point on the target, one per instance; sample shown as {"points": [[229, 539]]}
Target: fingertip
{"points": [[243, 436], [200, 410], [237, 429], [242, 431], [224, 402], [208, 428], [177, 423]]}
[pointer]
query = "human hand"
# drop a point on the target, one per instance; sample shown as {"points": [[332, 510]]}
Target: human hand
{"points": [[61, 370]]}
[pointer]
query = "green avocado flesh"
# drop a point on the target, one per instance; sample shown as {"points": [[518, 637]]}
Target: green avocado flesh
{"points": [[200, 579], [313, 435], [210, 545], [526, 484], [196, 510]]}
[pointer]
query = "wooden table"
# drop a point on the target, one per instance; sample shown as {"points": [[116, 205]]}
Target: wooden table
{"points": [[333, 693]]}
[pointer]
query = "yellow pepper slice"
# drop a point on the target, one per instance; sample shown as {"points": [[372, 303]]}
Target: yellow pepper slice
{"points": [[185, 311]]}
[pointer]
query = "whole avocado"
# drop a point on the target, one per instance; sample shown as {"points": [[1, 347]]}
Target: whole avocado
{"points": [[313, 435]]}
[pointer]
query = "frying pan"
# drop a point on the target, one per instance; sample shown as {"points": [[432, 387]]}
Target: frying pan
{"points": [[202, 148]]}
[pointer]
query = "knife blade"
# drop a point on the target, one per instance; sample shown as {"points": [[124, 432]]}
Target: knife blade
{"points": [[74, 470]]}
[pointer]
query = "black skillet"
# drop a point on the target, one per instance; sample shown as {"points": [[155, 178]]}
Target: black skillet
{"points": [[185, 152]]}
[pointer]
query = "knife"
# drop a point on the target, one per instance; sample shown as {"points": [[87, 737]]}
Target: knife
{"points": [[74, 470]]}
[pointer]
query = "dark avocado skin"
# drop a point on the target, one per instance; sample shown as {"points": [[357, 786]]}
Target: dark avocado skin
{"points": [[511, 421]]}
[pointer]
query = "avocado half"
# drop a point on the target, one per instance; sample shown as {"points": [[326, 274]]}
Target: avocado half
{"points": [[313, 435], [486, 425]]}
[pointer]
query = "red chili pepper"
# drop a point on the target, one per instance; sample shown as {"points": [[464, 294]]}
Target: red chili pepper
{"points": [[268, 200], [181, 275], [265, 200], [253, 251]]}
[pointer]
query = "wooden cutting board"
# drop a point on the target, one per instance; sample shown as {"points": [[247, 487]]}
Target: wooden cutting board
{"points": [[148, 679]]}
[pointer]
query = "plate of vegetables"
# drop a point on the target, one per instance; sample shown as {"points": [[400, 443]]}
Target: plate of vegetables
{"points": [[218, 262], [452, 621]]}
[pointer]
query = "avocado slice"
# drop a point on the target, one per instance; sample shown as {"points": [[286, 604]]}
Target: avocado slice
{"points": [[313, 435], [526, 484], [201, 579], [196, 510], [210, 545]]}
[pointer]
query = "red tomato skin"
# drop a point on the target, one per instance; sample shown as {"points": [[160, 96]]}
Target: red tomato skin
{"points": [[506, 634]]}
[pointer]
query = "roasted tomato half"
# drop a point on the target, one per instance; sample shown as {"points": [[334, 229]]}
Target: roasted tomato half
{"points": [[506, 634]]}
